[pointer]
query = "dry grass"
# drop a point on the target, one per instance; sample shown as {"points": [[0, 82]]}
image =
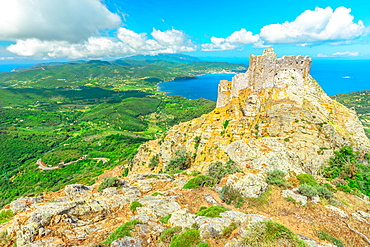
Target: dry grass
{"points": [[308, 220]]}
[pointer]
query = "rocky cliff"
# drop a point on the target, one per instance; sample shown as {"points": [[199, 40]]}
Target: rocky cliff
{"points": [[273, 116]]}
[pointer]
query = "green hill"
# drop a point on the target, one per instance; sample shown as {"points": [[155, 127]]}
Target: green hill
{"points": [[360, 102], [101, 109]]}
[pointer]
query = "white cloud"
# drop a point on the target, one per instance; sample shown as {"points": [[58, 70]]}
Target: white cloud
{"points": [[66, 20], [347, 53], [314, 27], [336, 54], [309, 28], [234, 41], [129, 43], [321, 55], [6, 58]]}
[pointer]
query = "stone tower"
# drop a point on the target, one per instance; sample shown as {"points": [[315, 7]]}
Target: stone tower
{"points": [[262, 73]]}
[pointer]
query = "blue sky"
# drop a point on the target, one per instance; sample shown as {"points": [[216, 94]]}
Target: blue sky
{"points": [[97, 29]]}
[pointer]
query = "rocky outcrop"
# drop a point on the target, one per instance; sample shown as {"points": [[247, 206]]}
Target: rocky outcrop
{"points": [[273, 116], [65, 219]]}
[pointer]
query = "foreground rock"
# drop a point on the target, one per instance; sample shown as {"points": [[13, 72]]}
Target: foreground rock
{"points": [[71, 220]]}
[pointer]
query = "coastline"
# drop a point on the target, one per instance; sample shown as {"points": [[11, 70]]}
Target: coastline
{"points": [[197, 76]]}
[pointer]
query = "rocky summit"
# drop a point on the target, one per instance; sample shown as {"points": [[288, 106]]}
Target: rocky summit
{"points": [[274, 116]]}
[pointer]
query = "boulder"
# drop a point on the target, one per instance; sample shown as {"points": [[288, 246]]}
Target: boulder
{"points": [[249, 185], [23, 203], [297, 197], [77, 191], [126, 242]]}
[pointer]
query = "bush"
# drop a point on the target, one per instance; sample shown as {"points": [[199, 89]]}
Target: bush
{"points": [[258, 202], [326, 236], [166, 235], [157, 194], [178, 164], [228, 230], [125, 172], [218, 170], [308, 190], [315, 190], [276, 177], [352, 167], [187, 239], [324, 192], [231, 196], [165, 219], [198, 181], [213, 211], [134, 205], [109, 182], [5, 216], [203, 245], [154, 161], [307, 179], [263, 234], [122, 231]]}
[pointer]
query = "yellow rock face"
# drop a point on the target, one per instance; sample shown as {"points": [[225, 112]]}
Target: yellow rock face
{"points": [[273, 116]]}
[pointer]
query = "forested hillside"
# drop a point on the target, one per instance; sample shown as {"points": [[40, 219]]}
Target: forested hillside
{"points": [[96, 113]]}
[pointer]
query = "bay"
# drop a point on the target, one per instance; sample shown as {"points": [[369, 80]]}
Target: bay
{"points": [[334, 76], [10, 67]]}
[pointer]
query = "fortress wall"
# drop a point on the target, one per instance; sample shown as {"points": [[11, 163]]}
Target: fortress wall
{"points": [[261, 74]]}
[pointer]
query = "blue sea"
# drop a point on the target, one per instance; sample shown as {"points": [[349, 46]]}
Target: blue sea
{"points": [[10, 67], [334, 76]]}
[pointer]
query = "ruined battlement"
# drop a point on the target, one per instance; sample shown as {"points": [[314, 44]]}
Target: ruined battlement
{"points": [[262, 73]]}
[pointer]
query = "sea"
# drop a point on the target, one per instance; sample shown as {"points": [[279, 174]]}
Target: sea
{"points": [[334, 76]]}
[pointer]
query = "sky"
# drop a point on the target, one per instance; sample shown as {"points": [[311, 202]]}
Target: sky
{"points": [[62, 30]]}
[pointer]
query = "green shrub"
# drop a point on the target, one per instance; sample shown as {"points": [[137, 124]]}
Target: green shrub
{"points": [[266, 234], [196, 142], [324, 192], [198, 181], [352, 167], [228, 230], [257, 202], [213, 211], [166, 235], [157, 194], [307, 179], [326, 236], [231, 196], [218, 170], [125, 172], [154, 161], [203, 245], [178, 164], [330, 187], [315, 190], [122, 231], [165, 219], [109, 182], [308, 190], [187, 239], [226, 123], [134, 205], [5, 216], [276, 177], [289, 199]]}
